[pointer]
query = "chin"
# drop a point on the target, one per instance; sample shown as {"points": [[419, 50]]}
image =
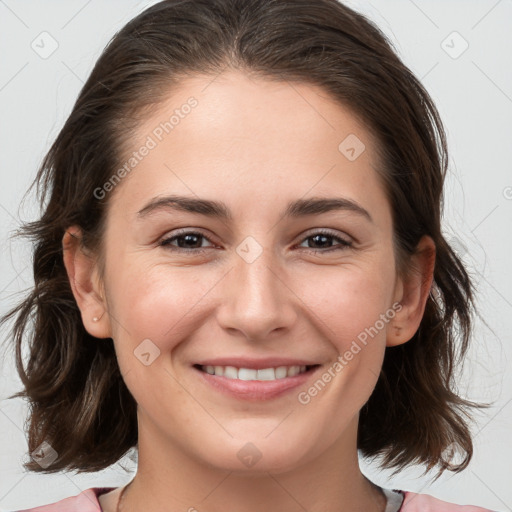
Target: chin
{"points": [[263, 455]]}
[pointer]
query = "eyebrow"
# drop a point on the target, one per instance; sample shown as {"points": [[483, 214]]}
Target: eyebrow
{"points": [[218, 209]]}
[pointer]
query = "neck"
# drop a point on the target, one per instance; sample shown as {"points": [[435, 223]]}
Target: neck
{"points": [[171, 479]]}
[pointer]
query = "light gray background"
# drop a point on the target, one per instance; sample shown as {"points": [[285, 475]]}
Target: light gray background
{"points": [[473, 92]]}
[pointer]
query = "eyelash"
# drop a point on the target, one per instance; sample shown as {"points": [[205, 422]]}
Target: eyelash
{"points": [[344, 244]]}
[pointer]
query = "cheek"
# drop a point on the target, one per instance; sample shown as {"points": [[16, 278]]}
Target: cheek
{"points": [[350, 300], [158, 301], [353, 313], [166, 303], [155, 308]]}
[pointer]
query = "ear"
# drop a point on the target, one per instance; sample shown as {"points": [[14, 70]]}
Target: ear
{"points": [[412, 292], [87, 287]]}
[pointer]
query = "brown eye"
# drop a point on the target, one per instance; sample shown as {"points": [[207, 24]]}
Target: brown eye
{"points": [[322, 239], [187, 241]]}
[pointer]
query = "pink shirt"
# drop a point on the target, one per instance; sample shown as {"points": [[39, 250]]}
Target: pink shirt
{"points": [[87, 501]]}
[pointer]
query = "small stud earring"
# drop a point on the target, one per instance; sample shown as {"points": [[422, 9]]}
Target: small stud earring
{"points": [[95, 318]]}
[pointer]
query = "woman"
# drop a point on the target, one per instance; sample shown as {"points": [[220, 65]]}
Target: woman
{"points": [[240, 269]]}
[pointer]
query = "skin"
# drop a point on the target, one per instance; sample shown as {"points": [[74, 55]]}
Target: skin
{"points": [[255, 145]]}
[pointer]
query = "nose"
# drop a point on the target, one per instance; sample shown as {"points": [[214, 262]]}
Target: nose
{"points": [[257, 301]]}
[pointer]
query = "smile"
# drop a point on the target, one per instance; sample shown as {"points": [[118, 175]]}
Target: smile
{"points": [[231, 372], [255, 384]]}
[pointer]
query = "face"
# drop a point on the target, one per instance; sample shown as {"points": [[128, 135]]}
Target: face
{"points": [[264, 286]]}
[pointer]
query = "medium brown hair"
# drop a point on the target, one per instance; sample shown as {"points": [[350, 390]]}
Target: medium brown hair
{"points": [[78, 400]]}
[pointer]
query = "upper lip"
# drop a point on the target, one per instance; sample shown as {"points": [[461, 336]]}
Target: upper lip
{"points": [[256, 364]]}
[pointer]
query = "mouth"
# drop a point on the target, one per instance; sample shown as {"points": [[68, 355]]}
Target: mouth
{"points": [[249, 374], [255, 384]]}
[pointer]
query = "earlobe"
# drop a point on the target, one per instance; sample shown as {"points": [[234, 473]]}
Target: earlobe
{"points": [[413, 290], [82, 271]]}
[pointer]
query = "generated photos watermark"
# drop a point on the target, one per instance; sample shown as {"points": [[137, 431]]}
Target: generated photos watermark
{"points": [[157, 135], [305, 397]]}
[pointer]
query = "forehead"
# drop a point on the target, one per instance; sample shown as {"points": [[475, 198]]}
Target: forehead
{"points": [[233, 106], [243, 138]]}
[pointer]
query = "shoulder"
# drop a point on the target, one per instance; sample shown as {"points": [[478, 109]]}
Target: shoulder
{"points": [[425, 503], [86, 501]]}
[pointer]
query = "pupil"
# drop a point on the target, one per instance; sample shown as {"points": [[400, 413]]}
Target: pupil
{"points": [[321, 237], [190, 238]]}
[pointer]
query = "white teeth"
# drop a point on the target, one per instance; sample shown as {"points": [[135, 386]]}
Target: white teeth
{"points": [[294, 370], [230, 372], [246, 374], [266, 374], [281, 372]]}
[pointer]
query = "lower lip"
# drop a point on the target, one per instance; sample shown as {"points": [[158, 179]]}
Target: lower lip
{"points": [[256, 389]]}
